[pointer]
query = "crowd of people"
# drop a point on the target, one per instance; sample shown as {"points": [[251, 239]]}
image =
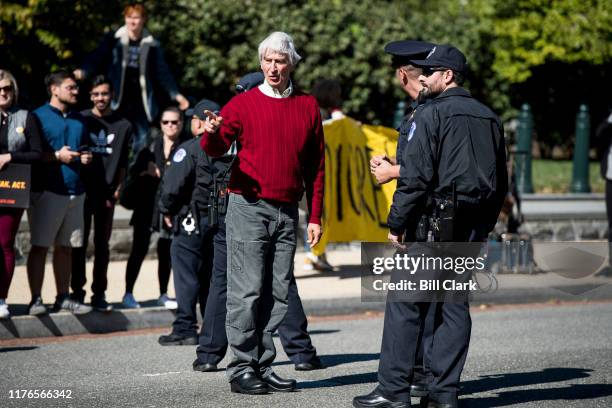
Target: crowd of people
{"points": [[227, 215]]}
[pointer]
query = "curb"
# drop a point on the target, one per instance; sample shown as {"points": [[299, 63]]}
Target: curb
{"points": [[64, 323]]}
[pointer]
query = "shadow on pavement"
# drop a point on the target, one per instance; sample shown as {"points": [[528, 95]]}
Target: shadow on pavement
{"points": [[338, 359], [100, 322], [341, 380], [333, 360], [10, 349], [313, 332], [340, 271], [572, 392], [10, 327], [508, 380]]}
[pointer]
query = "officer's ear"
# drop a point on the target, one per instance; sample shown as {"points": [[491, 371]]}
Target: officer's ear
{"points": [[402, 75], [448, 76]]}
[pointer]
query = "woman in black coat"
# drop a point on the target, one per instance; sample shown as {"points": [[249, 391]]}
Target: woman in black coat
{"points": [[145, 175]]}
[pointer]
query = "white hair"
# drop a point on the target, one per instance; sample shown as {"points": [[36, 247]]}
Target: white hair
{"points": [[281, 43]]}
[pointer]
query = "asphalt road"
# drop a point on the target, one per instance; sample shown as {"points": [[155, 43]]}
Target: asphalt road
{"points": [[527, 356]]}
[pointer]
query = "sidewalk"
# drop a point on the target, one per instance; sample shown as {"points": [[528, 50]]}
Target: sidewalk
{"points": [[323, 293]]}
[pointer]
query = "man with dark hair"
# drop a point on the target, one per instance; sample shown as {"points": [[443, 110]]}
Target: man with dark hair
{"points": [[457, 157], [58, 194], [110, 137]]}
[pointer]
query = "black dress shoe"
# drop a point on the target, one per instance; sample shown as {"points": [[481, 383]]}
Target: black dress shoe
{"points": [[176, 340], [277, 383], [375, 400], [204, 367], [248, 383], [314, 364], [419, 390]]}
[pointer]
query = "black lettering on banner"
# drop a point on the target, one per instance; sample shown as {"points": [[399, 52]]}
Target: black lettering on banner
{"points": [[329, 179], [350, 185], [339, 183]]}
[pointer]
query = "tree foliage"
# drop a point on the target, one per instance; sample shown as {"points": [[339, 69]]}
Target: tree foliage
{"points": [[530, 33], [510, 44]]}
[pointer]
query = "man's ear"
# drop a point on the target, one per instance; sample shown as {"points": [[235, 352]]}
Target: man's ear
{"points": [[449, 77], [402, 75]]}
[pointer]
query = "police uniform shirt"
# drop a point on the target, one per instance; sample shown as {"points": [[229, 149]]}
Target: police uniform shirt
{"points": [[190, 179], [406, 131], [456, 138]]}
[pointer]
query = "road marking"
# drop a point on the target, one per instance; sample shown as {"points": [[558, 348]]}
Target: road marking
{"points": [[158, 374]]}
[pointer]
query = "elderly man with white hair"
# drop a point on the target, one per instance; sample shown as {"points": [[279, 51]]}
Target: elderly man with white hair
{"points": [[281, 155]]}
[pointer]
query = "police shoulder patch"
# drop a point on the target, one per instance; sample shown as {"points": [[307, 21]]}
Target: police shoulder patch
{"points": [[179, 155], [412, 130]]}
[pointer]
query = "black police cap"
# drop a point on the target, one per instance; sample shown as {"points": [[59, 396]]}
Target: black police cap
{"points": [[444, 56], [408, 48], [200, 107], [405, 50], [249, 81]]}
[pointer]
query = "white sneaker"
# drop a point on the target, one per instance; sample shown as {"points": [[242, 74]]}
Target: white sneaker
{"points": [[168, 303], [319, 263], [4, 310]]}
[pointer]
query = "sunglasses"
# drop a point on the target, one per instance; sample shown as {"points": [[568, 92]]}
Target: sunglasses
{"points": [[7, 88], [427, 72], [169, 122]]}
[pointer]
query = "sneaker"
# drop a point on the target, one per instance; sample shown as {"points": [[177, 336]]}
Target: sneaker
{"points": [[129, 302], [319, 263], [166, 302], [100, 304], [4, 310], [72, 306], [37, 307]]}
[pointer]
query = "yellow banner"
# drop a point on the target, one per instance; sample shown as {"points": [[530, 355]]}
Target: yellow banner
{"points": [[356, 206]]}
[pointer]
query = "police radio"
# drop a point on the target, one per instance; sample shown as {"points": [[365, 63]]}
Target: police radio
{"points": [[217, 199], [444, 217], [213, 205], [438, 225]]}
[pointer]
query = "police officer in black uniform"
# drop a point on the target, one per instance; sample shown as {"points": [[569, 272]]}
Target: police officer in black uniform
{"points": [[457, 152], [386, 169], [198, 246]]}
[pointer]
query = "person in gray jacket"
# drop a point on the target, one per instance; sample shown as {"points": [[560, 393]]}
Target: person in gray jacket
{"points": [[134, 62]]}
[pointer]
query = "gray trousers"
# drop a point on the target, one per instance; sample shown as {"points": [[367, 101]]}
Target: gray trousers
{"points": [[261, 241]]}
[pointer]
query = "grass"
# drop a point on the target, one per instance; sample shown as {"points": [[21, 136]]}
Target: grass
{"points": [[555, 176]]}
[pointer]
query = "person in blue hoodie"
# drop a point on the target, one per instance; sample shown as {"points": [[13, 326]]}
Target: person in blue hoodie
{"points": [[58, 194]]}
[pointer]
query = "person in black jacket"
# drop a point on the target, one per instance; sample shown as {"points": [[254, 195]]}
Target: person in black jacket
{"points": [[110, 142], [457, 151], [145, 174], [134, 62], [386, 169], [198, 248], [603, 135]]}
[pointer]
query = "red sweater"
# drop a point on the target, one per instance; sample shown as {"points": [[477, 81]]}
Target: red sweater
{"points": [[281, 150]]}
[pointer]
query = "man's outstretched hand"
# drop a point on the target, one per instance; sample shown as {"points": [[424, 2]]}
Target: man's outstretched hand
{"points": [[213, 122]]}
